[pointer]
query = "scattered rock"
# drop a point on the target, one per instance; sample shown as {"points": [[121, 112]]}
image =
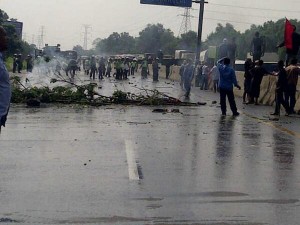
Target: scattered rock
{"points": [[33, 102], [160, 110], [7, 220], [214, 102], [175, 111], [201, 103]]}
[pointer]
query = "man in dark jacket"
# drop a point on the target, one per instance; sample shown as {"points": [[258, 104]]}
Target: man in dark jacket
{"points": [[257, 47], [293, 72], [281, 89]]}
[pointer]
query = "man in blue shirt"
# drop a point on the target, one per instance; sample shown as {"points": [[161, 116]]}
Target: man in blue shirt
{"points": [[226, 83], [5, 91]]}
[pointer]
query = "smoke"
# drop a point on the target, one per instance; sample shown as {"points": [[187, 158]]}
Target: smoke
{"points": [[44, 71]]}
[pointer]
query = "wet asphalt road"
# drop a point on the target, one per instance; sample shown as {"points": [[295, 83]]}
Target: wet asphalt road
{"points": [[128, 165]]}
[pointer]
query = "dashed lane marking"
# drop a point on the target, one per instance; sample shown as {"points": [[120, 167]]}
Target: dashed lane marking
{"points": [[131, 161]]}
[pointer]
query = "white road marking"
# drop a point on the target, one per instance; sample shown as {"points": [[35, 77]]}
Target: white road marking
{"points": [[131, 161]]}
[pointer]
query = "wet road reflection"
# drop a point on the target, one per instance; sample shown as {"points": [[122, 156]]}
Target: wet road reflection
{"points": [[70, 165]]}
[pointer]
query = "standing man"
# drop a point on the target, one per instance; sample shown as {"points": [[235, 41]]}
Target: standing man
{"points": [[280, 89], [226, 83], [5, 91], [293, 72], [29, 64], [15, 63], [108, 68], [257, 47], [168, 68], [19, 63], [145, 69], [223, 49], [291, 53], [101, 68], [93, 67], [248, 66], [155, 69], [181, 71], [258, 73], [133, 66], [215, 74], [232, 52], [188, 76], [205, 74]]}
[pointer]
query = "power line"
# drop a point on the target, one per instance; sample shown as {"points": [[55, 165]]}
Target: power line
{"points": [[229, 21], [256, 8], [230, 13]]}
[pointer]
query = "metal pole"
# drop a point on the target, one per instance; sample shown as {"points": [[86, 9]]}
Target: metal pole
{"points": [[200, 26]]}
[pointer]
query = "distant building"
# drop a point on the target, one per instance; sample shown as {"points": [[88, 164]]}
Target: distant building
{"points": [[18, 26]]}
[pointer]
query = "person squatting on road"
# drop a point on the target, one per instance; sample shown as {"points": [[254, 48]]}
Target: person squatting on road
{"points": [[5, 89], [188, 76], [226, 83]]}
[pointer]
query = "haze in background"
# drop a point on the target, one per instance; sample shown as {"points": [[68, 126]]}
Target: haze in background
{"points": [[63, 20]]}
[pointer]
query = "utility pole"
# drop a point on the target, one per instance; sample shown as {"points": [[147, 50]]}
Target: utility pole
{"points": [[200, 26], [33, 40], [42, 36], [86, 33]]}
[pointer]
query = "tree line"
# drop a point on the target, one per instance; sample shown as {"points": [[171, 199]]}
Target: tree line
{"points": [[155, 37]]}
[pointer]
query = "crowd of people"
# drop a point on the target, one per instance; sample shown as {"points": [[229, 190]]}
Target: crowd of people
{"points": [[223, 78], [221, 74]]}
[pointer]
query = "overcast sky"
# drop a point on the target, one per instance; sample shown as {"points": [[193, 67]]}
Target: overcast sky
{"points": [[64, 20]]}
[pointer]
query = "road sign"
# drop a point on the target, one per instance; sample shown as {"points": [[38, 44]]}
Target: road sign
{"points": [[178, 3]]}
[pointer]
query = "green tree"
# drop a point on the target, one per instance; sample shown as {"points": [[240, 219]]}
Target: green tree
{"points": [[115, 44], [3, 16], [188, 41], [221, 32], [155, 37], [79, 49]]}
